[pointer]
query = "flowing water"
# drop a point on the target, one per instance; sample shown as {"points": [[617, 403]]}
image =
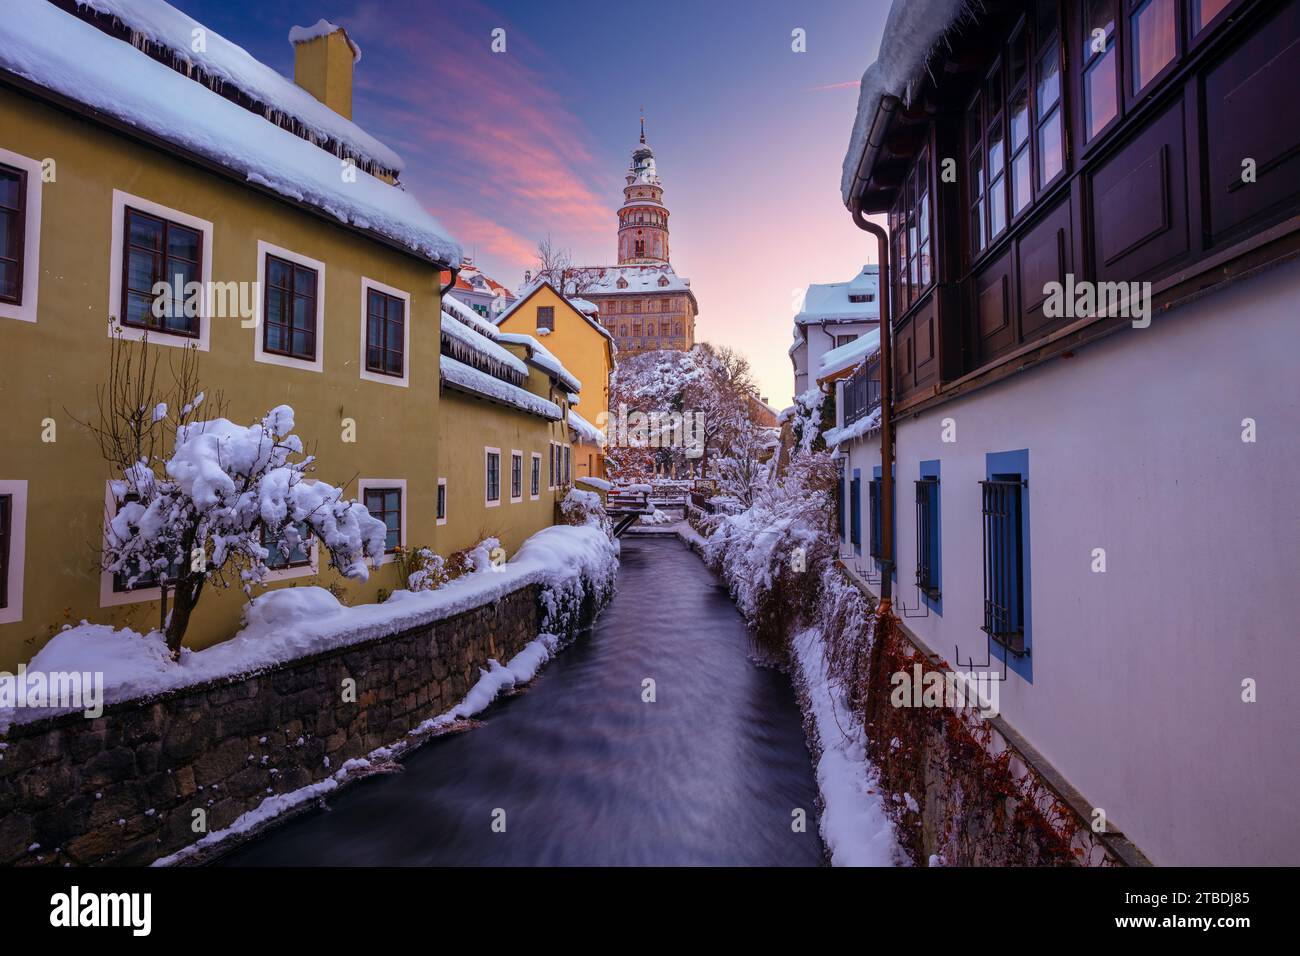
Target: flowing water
{"points": [[587, 772]]}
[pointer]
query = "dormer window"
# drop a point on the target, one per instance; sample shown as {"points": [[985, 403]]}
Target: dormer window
{"points": [[862, 297], [622, 283], [663, 280]]}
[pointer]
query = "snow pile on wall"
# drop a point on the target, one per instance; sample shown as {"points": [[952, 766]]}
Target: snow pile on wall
{"points": [[594, 482], [573, 565], [913, 30], [54, 50], [481, 383]]}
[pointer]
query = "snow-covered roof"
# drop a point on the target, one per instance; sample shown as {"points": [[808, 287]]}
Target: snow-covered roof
{"points": [[469, 338], [849, 355], [541, 356], [323, 28], [862, 427], [164, 25], [587, 432], [467, 316], [912, 31], [647, 277], [58, 52], [831, 302], [585, 306], [468, 379], [526, 293]]}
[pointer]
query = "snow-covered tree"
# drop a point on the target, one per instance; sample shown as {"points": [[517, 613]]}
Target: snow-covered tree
{"points": [[204, 500]]}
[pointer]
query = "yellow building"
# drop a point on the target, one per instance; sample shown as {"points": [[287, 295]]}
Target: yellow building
{"points": [[319, 277], [569, 330]]}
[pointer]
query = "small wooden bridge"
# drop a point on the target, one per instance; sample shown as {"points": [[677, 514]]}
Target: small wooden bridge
{"points": [[626, 507]]}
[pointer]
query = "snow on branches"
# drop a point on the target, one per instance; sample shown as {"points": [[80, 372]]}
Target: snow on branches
{"points": [[191, 497]]}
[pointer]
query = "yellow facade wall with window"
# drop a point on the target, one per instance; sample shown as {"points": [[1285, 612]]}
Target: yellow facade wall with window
{"points": [[50, 369], [582, 349]]}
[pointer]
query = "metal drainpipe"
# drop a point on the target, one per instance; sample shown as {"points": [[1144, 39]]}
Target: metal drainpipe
{"points": [[886, 414], [442, 290]]}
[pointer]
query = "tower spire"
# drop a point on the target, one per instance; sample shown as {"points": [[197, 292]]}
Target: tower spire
{"points": [[643, 124]]}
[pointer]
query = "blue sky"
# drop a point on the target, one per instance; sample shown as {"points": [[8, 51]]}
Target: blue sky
{"points": [[506, 148]]}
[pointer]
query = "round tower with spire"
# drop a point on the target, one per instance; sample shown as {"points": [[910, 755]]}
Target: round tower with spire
{"points": [[643, 217]]}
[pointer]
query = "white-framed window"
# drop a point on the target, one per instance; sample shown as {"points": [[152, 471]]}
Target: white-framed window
{"points": [[113, 591], [567, 473], [492, 477], [153, 221], [299, 563], [442, 501], [516, 476], [13, 548], [20, 235], [385, 333], [535, 478], [385, 499], [291, 333]]}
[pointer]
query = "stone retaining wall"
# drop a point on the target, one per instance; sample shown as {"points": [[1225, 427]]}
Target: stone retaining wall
{"points": [[123, 788]]}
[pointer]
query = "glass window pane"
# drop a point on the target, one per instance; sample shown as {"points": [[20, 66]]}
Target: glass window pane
{"points": [[374, 357], [973, 128], [304, 281], [996, 157], [1207, 10], [1050, 159], [1155, 40], [188, 271], [1021, 183], [183, 242], [1016, 59], [275, 337], [997, 207], [142, 269], [304, 313], [138, 309], [302, 344], [8, 279], [10, 194], [1049, 80], [1044, 20], [1019, 114], [393, 363], [1098, 16], [977, 226], [925, 263], [145, 231], [374, 333], [8, 234], [277, 272], [1100, 102], [923, 216]]}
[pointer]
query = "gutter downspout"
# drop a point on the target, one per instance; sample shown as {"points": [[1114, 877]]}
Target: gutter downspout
{"points": [[875, 139], [442, 290], [886, 415]]}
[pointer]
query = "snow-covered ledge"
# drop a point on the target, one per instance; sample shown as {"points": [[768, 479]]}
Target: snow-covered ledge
{"points": [[306, 697]]}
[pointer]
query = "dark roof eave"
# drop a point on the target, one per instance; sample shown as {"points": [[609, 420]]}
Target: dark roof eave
{"points": [[59, 101], [885, 111], [495, 401]]}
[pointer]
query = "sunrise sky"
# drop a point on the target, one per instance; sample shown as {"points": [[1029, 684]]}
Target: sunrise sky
{"points": [[506, 148]]}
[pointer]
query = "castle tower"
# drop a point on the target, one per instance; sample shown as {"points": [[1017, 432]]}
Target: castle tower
{"points": [[643, 218]]}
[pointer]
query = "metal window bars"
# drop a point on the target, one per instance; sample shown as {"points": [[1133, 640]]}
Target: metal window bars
{"points": [[927, 543], [1004, 561]]}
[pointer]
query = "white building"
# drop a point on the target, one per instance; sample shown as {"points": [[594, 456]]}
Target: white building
{"points": [[833, 314], [1099, 505]]}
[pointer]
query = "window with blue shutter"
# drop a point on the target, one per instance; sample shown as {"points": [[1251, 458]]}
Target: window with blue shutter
{"points": [[855, 511], [1005, 507], [928, 555]]}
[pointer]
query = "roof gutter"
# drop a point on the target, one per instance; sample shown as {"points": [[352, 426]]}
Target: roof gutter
{"points": [[880, 123]]}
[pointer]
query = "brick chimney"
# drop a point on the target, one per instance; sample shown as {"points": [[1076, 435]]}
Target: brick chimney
{"points": [[323, 58]]}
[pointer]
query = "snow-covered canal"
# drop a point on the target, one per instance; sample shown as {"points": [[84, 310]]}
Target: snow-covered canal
{"points": [[582, 770]]}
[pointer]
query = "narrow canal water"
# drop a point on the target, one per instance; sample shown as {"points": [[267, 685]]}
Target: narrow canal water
{"points": [[585, 770]]}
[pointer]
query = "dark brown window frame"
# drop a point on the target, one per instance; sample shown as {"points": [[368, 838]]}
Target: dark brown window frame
{"points": [[293, 295], [6, 545], [19, 214], [492, 476], [516, 476], [128, 212], [913, 211], [546, 317], [441, 508], [385, 346], [384, 512]]}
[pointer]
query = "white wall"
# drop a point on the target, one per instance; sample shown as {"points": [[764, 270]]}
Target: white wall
{"points": [[1135, 447]]}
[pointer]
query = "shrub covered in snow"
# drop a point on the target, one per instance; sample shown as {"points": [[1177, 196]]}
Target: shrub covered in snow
{"points": [[771, 554], [421, 568], [195, 498], [584, 508]]}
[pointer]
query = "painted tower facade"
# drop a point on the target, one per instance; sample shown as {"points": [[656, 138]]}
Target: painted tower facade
{"points": [[643, 303]]}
